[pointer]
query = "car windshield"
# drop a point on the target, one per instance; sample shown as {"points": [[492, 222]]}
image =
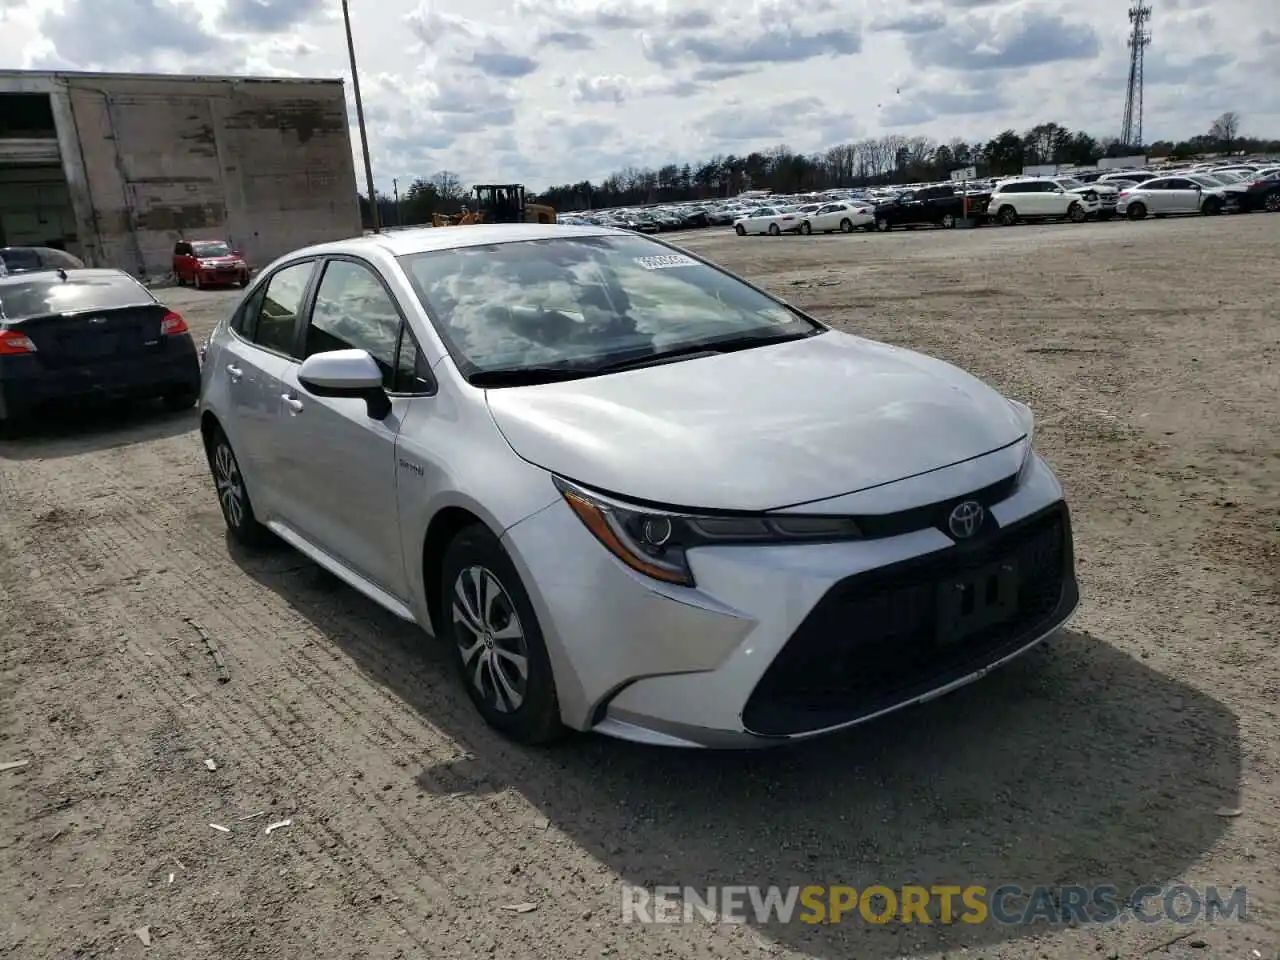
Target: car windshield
{"points": [[1070, 183], [1205, 180], [1227, 176], [39, 296], [214, 249], [585, 301]]}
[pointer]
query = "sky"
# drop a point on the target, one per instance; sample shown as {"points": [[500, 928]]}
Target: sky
{"points": [[553, 91]]}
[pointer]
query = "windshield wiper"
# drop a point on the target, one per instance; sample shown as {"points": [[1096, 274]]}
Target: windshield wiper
{"points": [[528, 376], [705, 348]]}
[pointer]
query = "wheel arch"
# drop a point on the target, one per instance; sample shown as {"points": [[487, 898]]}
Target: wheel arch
{"points": [[446, 524]]}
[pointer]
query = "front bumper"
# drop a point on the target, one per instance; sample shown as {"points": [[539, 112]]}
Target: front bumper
{"points": [[27, 386], [783, 642], [216, 275]]}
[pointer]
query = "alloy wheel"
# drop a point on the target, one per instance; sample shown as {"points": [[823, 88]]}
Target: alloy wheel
{"points": [[1273, 202], [226, 476], [490, 638]]}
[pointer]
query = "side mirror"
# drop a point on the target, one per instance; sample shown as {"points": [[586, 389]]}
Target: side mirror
{"points": [[237, 253], [346, 373]]}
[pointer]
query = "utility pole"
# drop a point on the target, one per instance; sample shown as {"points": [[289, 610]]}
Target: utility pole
{"points": [[395, 188], [364, 137]]}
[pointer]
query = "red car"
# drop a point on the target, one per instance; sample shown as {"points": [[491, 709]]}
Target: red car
{"points": [[203, 263]]}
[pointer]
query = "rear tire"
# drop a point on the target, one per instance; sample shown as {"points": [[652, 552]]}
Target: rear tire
{"points": [[1136, 211], [882, 225], [774, 230], [948, 221], [1272, 203], [198, 282], [805, 228], [740, 230], [1212, 207], [1007, 216], [846, 225], [244, 280], [233, 496], [495, 640]]}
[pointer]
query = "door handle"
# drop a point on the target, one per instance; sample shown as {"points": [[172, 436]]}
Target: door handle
{"points": [[236, 372], [292, 402]]}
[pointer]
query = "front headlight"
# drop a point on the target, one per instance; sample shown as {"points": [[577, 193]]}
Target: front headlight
{"points": [[655, 542], [1027, 418]]}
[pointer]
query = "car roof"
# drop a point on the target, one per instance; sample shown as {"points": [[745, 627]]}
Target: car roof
{"points": [[399, 243], [85, 273]]}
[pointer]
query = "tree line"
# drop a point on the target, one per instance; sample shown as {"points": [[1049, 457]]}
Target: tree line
{"points": [[873, 162]]}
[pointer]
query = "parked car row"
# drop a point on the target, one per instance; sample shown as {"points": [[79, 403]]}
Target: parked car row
{"points": [[1029, 199]]}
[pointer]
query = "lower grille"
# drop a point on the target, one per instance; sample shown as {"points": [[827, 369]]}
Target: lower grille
{"points": [[880, 638]]}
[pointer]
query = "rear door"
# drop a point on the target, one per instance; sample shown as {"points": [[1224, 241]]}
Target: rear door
{"points": [[182, 260], [338, 464], [256, 358]]}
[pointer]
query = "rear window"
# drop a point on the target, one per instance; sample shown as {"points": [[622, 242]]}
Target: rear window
{"points": [[20, 259], [37, 297]]}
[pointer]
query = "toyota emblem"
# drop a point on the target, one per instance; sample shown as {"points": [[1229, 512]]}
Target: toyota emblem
{"points": [[966, 519]]}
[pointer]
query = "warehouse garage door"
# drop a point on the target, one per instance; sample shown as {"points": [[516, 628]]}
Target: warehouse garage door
{"points": [[35, 204]]}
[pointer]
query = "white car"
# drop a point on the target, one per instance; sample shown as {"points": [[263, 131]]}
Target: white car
{"points": [[770, 220], [630, 492], [844, 216], [1163, 196], [1038, 198]]}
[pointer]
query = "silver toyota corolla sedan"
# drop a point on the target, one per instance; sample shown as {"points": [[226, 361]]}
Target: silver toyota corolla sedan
{"points": [[634, 493]]}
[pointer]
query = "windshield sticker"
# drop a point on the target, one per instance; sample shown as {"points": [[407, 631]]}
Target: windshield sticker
{"points": [[663, 263]]}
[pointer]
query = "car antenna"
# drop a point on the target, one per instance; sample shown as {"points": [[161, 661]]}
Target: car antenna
{"points": [[62, 274]]}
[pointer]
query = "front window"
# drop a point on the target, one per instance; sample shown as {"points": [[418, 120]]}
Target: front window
{"points": [[212, 249], [584, 303]]}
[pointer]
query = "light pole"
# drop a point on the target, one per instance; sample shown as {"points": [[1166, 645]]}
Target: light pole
{"points": [[364, 137]]}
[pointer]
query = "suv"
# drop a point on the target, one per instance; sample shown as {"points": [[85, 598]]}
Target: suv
{"points": [[1037, 198], [204, 262]]}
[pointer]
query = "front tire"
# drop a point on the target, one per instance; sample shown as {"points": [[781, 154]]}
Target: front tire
{"points": [[1007, 216], [496, 643], [774, 230], [740, 230], [805, 228], [1272, 203], [882, 225], [846, 225], [233, 496], [1076, 213], [1212, 207], [948, 221]]}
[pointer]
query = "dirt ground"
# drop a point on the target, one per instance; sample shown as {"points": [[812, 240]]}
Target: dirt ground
{"points": [[1117, 754]]}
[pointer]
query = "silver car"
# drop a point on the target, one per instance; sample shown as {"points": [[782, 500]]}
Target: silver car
{"points": [[634, 493]]}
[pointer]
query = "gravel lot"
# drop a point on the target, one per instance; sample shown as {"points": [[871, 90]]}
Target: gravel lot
{"points": [[1150, 353]]}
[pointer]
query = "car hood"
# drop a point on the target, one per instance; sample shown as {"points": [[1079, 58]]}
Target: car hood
{"points": [[1099, 188], [758, 429]]}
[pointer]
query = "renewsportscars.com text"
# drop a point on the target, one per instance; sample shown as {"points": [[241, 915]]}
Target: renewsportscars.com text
{"points": [[1008, 904]]}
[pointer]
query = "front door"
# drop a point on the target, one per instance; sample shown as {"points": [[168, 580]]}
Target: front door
{"points": [[338, 464]]}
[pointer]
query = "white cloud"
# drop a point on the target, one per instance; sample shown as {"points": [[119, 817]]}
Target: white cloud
{"points": [[553, 91]]}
